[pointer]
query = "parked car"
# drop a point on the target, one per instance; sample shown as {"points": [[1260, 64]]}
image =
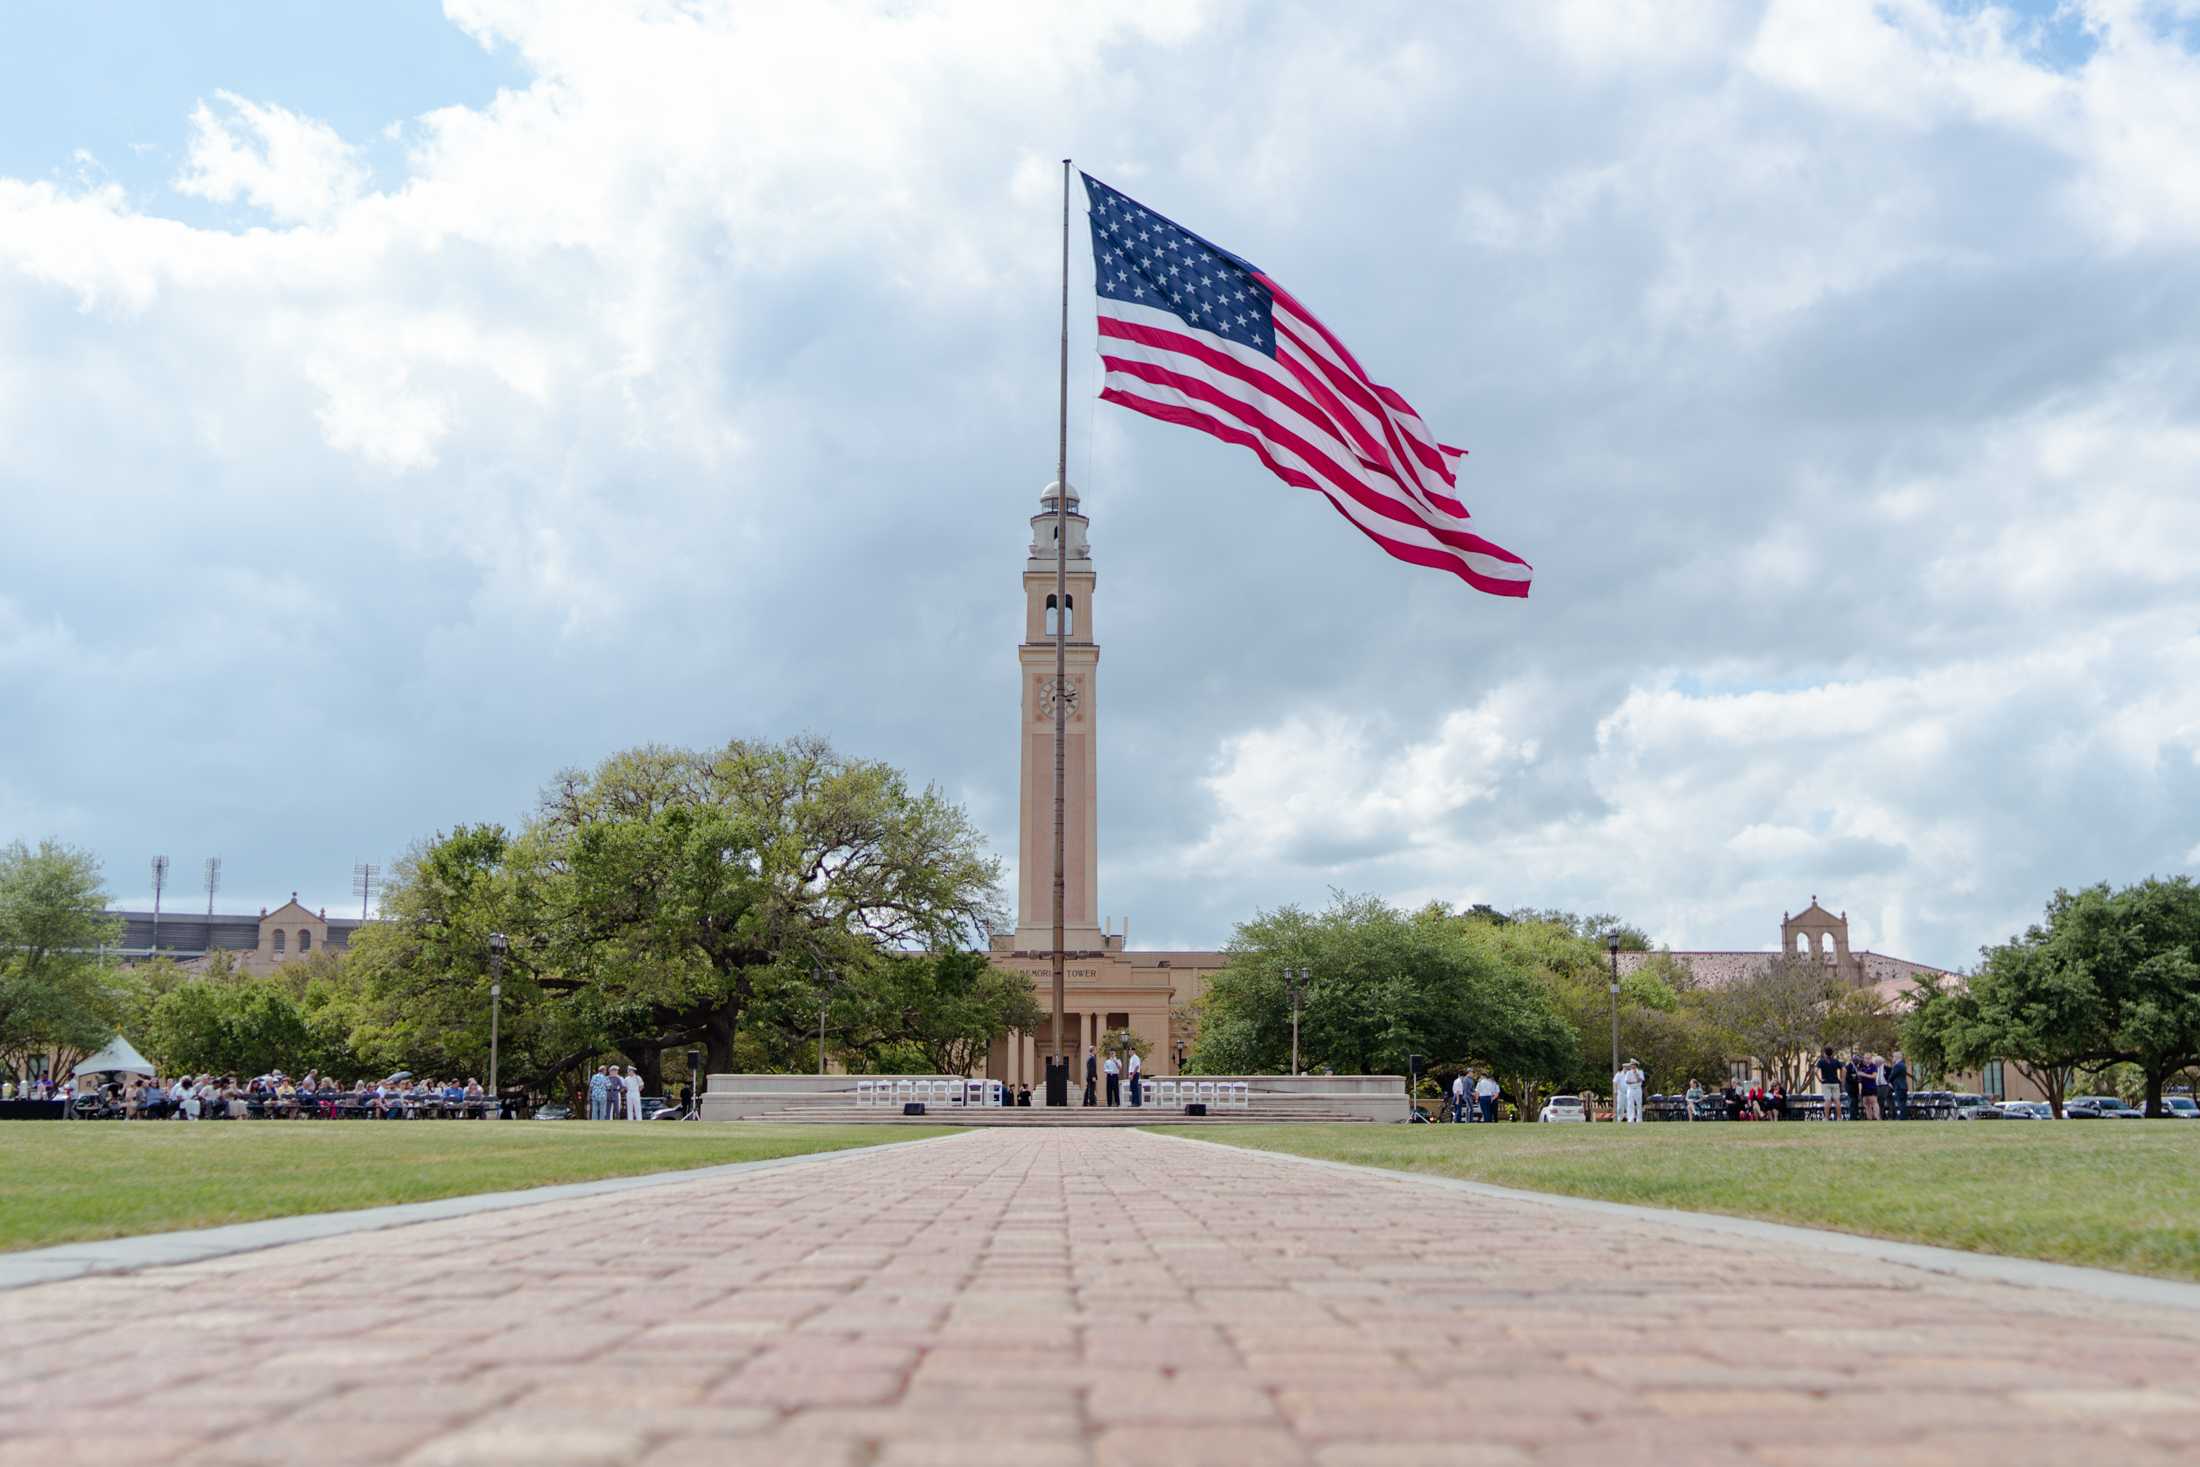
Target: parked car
{"points": [[2027, 1110], [1976, 1108], [2082, 1108], [2106, 1107], [1563, 1108], [2181, 1108]]}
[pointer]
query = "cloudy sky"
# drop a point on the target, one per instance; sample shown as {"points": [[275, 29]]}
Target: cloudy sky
{"points": [[398, 404]]}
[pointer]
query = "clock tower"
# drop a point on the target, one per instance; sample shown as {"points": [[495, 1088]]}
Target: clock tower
{"points": [[1035, 657]]}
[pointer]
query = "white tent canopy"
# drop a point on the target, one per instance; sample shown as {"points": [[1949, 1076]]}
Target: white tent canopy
{"points": [[118, 1056]]}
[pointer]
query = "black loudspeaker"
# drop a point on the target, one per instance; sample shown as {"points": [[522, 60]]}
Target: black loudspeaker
{"points": [[1195, 1109], [912, 1108]]}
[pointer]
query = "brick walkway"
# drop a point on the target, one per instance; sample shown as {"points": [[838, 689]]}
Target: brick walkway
{"points": [[1034, 1298]]}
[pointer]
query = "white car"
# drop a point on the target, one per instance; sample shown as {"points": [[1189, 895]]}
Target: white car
{"points": [[1563, 1108]]}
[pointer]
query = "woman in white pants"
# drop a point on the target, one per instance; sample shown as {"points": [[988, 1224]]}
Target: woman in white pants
{"points": [[633, 1084]]}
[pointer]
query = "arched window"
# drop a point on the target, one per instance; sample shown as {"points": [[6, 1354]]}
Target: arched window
{"points": [[278, 942], [1071, 629], [305, 939]]}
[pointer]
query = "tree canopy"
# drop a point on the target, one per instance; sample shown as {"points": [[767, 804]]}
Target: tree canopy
{"points": [[2110, 976], [56, 992], [1384, 984], [672, 897]]}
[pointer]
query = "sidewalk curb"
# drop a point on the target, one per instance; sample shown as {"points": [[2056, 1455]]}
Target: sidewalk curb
{"points": [[2096, 1283], [196, 1245]]}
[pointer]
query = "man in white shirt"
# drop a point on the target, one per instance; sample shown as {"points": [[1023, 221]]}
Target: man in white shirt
{"points": [[1114, 1068], [1485, 1096], [1459, 1097], [1627, 1093], [1137, 1096], [633, 1094]]}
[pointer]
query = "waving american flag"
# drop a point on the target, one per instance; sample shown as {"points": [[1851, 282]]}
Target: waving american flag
{"points": [[1192, 334]]}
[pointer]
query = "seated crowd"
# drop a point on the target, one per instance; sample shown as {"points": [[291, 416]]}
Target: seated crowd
{"points": [[277, 1096]]}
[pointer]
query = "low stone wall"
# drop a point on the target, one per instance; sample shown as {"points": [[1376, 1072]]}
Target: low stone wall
{"points": [[1360, 1097]]}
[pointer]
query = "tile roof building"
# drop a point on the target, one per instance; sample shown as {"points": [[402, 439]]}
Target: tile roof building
{"points": [[259, 944], [1812, 932]]}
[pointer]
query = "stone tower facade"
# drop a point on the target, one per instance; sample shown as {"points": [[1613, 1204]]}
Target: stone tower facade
{"points": [[1080, 811], [1816, 932]]}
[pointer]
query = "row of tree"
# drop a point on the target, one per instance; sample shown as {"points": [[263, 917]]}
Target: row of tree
{"points": [[728, 899], [2109, 977], [738, 899], [1524, 996]]}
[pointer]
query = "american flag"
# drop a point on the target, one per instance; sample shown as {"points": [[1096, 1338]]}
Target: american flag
{"points": [[1192, 334]]}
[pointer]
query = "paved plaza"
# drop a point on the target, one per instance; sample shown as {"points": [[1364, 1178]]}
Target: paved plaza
{"points": [[1031, 1298]]}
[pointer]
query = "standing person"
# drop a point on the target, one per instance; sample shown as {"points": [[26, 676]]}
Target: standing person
{"points": [[1627, 1087], [599, 1095], [1485, 1096], [1092, 1076], [1898, 1086], [1459, 1097], [1852, 1081], [1137, 1095], [1114, 1067], [1588, 1105], [1829, 1084], [1867, 1080], [633, 1094]]}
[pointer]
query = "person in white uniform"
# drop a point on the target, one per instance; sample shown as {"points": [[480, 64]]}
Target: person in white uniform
{"points": [[1114, 1071], [1627, 1092], [1138, 1094], [633, 1083]]}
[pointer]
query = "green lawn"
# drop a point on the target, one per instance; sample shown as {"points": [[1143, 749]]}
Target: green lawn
{"points": [[67, 1182], [2122, 1195]]}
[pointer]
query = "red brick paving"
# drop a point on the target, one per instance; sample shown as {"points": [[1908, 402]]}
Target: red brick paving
{"points": [[1095, 1297]]}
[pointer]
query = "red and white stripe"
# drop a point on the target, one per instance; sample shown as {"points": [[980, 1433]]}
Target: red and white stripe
{"points": [[1315, 418]]}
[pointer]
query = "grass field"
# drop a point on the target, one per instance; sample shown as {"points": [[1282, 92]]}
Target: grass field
{"points": [[71, 1182], [2113, 1195]]}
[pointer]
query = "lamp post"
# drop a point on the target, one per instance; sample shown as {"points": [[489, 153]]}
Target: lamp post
{"points": [[1295, 979], [1611, 946], [497, 947], [695, 1085], [827, 982]]}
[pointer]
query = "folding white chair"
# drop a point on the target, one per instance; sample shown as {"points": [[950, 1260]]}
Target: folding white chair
{"points": [[904, 1092], [1241, 1095], [1206, 1090], [866, 1092]]}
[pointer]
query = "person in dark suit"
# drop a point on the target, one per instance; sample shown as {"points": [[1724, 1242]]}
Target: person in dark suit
{"points": [[1092, 1077], [1898, 1087]]}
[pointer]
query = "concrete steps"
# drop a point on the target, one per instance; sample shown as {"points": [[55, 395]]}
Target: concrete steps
{"points": [[1100, 1117]]}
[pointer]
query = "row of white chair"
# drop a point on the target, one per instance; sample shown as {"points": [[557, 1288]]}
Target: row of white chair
{"points": [[897, 1093], [1214, 1094], [1161, 1094]]}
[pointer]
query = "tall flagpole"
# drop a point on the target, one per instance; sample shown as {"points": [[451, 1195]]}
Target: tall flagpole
{"points": [[1061, 652]]}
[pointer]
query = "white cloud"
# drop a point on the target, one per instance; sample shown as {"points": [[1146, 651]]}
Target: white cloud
{"points": [[1830, 362], [1913, 793], [295, 168]]}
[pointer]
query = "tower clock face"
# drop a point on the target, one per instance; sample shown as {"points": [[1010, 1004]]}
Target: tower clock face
{"points": [[1052, 692]]}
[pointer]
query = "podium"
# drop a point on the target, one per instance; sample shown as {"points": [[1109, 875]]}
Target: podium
{"points": [[1057, 1080]]}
